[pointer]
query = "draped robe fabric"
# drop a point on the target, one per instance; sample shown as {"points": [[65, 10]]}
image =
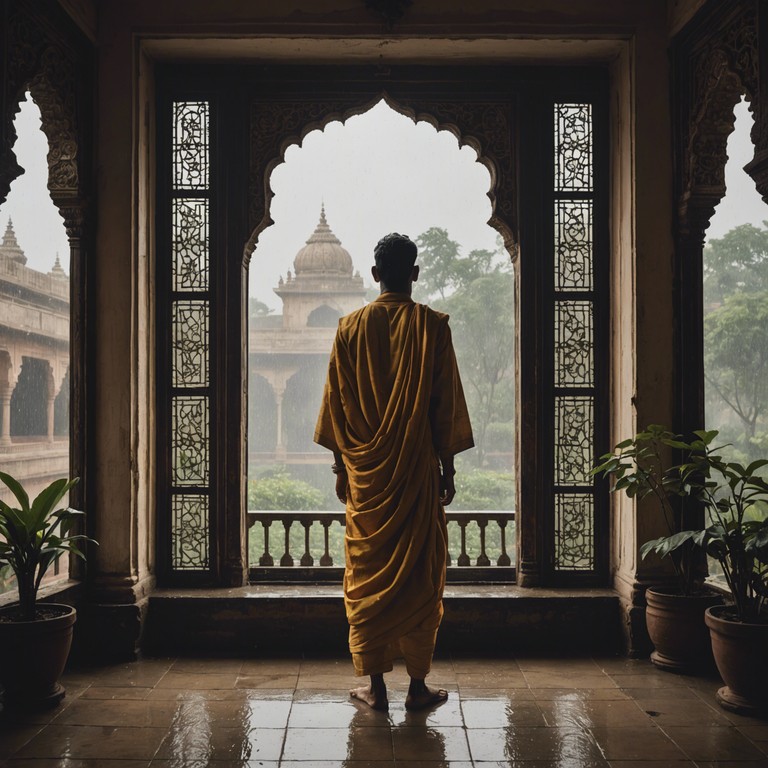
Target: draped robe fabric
{"points": [[393, 403]]}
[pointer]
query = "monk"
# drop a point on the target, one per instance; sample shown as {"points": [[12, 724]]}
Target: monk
{"points": [[394, 415]]}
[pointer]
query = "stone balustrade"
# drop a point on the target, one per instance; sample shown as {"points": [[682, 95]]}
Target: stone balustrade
{"points": [[302, 546]]}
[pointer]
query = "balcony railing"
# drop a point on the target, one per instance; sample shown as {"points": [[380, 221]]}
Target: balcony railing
{"points": [[308, 546]]}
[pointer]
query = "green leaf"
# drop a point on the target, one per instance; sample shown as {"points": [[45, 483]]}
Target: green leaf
{"points": [[48, 498], [755, 465], [706, 436], [667, 544], [648, 547], [717, 548], [17, 490]]}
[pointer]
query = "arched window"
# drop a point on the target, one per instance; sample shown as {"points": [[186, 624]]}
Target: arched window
{"points": [[547, 378], [323, 317]]}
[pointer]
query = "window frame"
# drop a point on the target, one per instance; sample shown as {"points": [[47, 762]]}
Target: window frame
{"points": [[530, 94]]}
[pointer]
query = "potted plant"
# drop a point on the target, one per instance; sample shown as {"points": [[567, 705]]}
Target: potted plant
{"points": [[35, 638], [674, 613], [736, 499]]}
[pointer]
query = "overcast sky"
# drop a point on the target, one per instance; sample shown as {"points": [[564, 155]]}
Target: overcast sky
{"points": [[377, 173]]}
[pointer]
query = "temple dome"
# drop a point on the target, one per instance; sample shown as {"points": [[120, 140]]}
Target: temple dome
{"points": [[323, 254]]}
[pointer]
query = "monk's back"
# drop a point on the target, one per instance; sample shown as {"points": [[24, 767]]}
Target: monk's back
{"points": [[386, 340], [394, 415]]}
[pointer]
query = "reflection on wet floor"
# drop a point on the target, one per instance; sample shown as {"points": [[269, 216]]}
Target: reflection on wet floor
{"points": [[182, 713]]}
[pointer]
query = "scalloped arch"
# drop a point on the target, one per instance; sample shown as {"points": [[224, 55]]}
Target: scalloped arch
{"points": [[48, 71], [717, 67], [706, 153], [487, 127]]}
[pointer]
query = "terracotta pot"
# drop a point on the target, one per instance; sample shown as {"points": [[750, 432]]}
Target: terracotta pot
{"points": [[677, 630], [33, 655], [741, 655]]}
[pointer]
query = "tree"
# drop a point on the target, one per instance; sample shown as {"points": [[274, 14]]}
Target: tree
{"points": [[438, 255], [258, 308], [738, 261], [442, 269], [735, 288], [477, 291], [736, 355], [477, 310]]}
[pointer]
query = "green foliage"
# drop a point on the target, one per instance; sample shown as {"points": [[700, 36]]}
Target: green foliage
{"points": [[442, 269], [735, 497], [33, 536], [736, 356], [736, 262], [736, 337], [438, 258], [279, 490], [641, 466], [482, 489], [258, 308], [487, 361], [478, 293]]}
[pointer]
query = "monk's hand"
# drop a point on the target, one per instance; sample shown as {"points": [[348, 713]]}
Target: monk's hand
{"points": [[342, 481], [447, 488]]}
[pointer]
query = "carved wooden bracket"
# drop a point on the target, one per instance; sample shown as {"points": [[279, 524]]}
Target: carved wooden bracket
{"points": [[487, 127], [716, 60], [38, 63], [717, 65]]}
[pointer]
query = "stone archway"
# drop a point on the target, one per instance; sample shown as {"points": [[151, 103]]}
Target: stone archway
{"points": [[488, 126], [49, 57], [715, 64]]}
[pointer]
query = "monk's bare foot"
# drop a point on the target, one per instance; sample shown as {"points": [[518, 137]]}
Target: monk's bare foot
{"points": [[420, 696], [374, 695], [374, 699]]}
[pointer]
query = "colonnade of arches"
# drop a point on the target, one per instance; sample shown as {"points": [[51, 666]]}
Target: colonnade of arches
{"points": [[282, 408], [34, 397]]}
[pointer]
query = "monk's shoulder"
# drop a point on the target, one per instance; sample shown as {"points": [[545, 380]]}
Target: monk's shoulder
{"points": [[351, 321], [433, 316]]}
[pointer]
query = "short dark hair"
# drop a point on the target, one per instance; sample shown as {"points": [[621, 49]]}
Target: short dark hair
{"points": [[395, 257]]}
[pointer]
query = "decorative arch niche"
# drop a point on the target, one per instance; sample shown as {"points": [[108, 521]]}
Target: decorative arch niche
{"points": [[716, 61], [47, 55], [486, 126]]}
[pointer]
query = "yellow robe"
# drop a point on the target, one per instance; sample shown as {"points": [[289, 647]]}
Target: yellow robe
{"points": [[393, 403]]}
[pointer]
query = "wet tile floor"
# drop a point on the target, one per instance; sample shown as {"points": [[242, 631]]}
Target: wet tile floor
{"points": [[180, 713]]}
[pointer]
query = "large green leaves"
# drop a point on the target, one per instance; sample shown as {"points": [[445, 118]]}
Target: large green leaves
{"points": [[34, 536], [733, 496]]}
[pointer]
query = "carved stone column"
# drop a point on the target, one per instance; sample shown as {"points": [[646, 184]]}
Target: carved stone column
{"points": [[9, 374], [280, 451], [5, 414]]}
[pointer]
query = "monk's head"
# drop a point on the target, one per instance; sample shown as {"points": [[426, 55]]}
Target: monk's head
{"points": [[395, 269]]}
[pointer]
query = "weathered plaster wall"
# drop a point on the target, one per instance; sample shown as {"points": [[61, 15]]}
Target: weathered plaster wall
{"points": [[117, 308], [641, 216], [642, 355]]}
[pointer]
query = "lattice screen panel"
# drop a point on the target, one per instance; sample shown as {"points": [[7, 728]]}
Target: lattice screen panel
{"points": [[190, 341], [574, 338]]}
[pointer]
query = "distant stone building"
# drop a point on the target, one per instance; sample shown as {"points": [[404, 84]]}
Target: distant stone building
{"points": [[288, 353], [34, 367]]}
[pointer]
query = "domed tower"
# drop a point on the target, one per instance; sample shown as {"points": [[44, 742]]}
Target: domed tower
{"points": [[324, 286]]}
